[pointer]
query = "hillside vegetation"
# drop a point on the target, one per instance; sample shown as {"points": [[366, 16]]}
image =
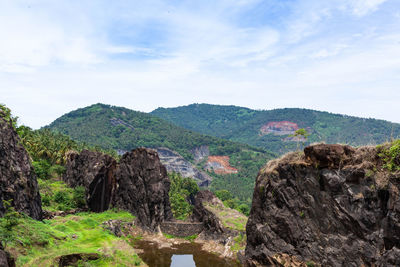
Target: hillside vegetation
{"points": [[123, 129], [243, 125]]}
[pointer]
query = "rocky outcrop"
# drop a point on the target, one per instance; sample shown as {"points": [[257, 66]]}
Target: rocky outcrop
{"points": [[5, 258], [17, 179], [211, 224], [176, 163], [200, 153], [142, 188], [332, 206], [96, 172]]}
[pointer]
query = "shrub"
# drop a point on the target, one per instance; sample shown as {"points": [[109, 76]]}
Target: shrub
{"points": [[42, 169], [79, 198], [61, 197], [223, 195]]}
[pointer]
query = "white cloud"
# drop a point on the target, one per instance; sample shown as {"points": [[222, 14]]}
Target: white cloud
{"points": [[327, 55], [363, 7]]}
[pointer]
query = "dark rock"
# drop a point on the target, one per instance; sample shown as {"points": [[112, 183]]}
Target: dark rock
{"points": [[211, 223], [329, 156], [5, 258], [72, 259], [322, 207], [142, 188], [17, 179], [96, 172]]}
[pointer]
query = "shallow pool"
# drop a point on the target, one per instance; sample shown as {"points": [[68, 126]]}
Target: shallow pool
{"points": [[183, 255]]}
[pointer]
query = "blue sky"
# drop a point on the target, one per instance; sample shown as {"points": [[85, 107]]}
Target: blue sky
{"points": [[341, 56]]}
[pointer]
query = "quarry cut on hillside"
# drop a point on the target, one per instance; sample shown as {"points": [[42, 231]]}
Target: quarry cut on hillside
{"points": [[333, 205]]}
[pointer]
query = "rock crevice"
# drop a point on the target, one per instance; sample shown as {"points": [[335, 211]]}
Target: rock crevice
{"points": [[325, 206]]}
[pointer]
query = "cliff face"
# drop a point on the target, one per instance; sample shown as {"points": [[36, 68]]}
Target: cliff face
{"points": [[176, 163], [142, 187], [94, 171], [331, 205], [17, 179]]}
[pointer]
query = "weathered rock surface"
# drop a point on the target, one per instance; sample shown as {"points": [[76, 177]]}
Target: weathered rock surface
{"points": [[333, 206], [17, 179], [176, 163], [5, 258], [96, 172], [200, 153], [212, 225], [142, 188]]}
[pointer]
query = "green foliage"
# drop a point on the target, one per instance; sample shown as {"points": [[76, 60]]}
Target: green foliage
{"points": [[5, 113], [181, 190], [310, 264], [78, 197], [223, 194], [8, 222], [190, 238], [243, 125], [57, 196], [245, 209], [120, 128], [52, 147], [42, 169], [37, 243], [390, 154]]}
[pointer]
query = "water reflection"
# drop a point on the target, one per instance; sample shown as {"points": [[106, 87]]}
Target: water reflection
{"points": [[182, 261], [183, 255]]}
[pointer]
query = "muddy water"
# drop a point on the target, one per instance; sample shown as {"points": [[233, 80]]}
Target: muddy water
{"points": [[183, 255]]}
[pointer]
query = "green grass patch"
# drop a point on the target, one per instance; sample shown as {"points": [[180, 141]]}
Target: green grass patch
{"points": [[40, 243], [190, 238]]}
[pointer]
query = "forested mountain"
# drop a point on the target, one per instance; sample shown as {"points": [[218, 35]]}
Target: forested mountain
{"points": [[120, 128], [271, 129]]}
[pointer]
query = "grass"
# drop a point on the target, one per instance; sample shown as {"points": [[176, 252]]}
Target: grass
{"points": [[40, 243], [190, 238]]}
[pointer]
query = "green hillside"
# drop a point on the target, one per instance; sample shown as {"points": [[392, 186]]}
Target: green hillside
{"points": [[120, 128], [243, 125]]}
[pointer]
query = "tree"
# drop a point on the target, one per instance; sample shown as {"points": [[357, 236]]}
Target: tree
{"points": [[300, 134]]}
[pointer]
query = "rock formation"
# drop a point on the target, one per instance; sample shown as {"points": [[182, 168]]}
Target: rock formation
{"points": [[17, 179], [332, 206], [211, 223], [5, 258], [142, 188], [176, 163], [94, 171]]}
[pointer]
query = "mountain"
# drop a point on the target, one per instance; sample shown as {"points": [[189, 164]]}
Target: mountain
{"points": [[234, 166], [271, 129]]}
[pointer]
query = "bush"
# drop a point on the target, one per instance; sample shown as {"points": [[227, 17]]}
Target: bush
{"points": [[245, 209], [46, 200], [57, 169], [42, 169], [223, 195], [61, 197], [79, 198]]}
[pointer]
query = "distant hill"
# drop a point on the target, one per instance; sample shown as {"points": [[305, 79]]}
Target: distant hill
{"points": [[123, 129], [271, 129]]}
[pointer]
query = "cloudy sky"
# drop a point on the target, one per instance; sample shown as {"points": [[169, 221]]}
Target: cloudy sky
{"points": [[341, 56]]}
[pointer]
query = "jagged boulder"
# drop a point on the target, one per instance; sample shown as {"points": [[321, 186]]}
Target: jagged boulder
{"points": [[211, 223], [142, 188], [330, 206], [96, 172], [17, 178], [5, 258]]}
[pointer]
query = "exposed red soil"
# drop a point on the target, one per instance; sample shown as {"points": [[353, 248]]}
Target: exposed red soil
{"points": [[279, 127], [220, 165]]}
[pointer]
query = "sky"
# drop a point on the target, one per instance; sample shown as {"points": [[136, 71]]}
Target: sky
{"points": [[341, 56]]}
